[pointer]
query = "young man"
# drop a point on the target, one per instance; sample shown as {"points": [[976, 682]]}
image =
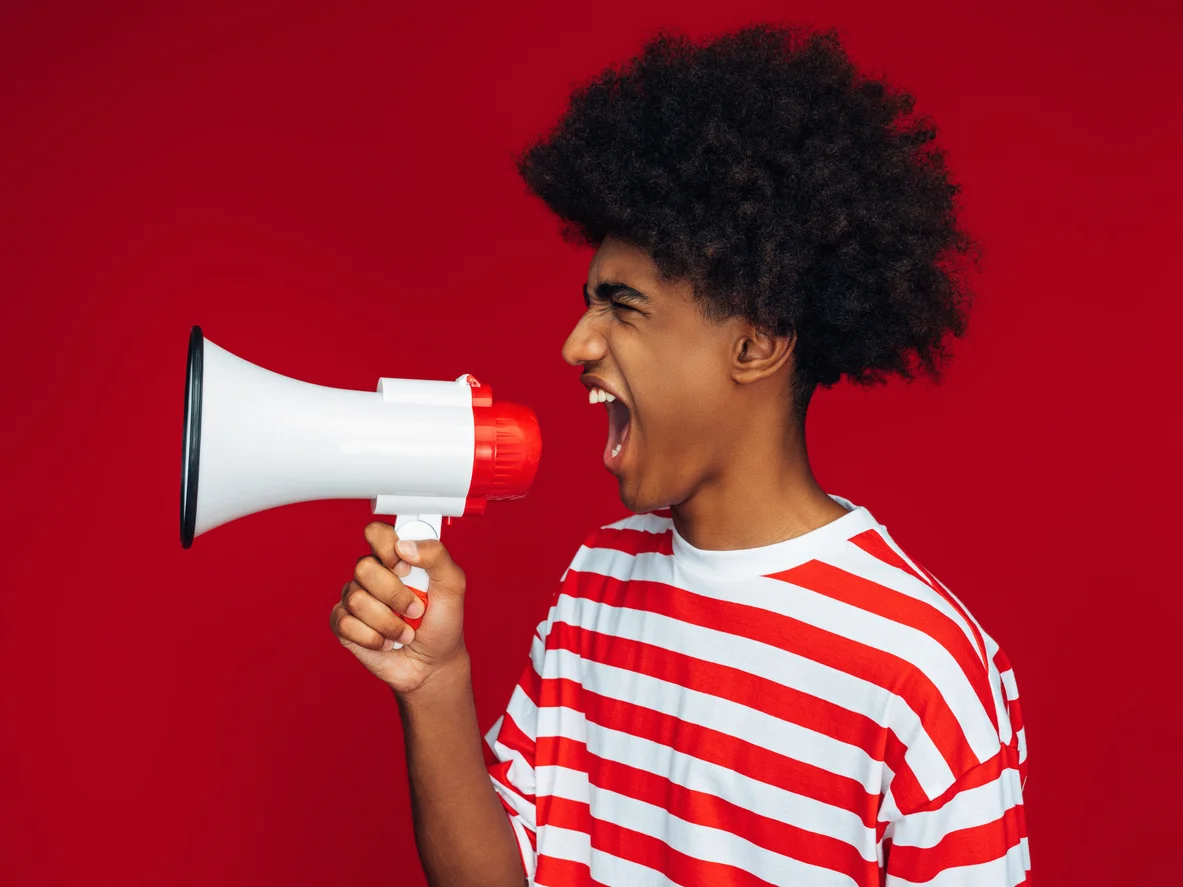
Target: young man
{"points": [[746, 681]]}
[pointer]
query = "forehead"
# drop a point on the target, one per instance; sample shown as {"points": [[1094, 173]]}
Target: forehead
{"points": [[622, 262]]}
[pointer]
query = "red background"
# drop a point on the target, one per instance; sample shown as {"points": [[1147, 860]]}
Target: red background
{"points": [[328, 190]]}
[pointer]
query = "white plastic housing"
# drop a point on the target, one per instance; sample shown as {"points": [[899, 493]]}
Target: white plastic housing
{"points": [[268, 440]]}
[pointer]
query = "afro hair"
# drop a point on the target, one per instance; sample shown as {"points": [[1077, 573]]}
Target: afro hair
{"points": [[788, 188]]}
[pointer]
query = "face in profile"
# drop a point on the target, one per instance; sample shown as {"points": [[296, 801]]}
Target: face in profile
{"points": [[662, 371]]}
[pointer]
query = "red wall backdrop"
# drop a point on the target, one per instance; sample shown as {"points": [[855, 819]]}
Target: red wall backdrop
{"points": [[328, 190]]}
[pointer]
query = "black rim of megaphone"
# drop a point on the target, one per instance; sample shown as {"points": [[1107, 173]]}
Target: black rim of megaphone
{"points": [[191, 445]]}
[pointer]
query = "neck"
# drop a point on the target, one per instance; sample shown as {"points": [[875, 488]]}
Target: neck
{"points": [[763, 492]]}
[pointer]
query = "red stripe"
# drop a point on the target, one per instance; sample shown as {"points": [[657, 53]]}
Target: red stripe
{"points": [[871, 597], [632, 541], [511, 736], [970, 846], [706, 744], [905, 787], [871, 664], [552, 872], [873, 543], [529, 680], [646, 850], [500, 773]]}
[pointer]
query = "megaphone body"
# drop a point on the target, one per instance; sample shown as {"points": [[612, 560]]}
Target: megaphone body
{"points": [[419, 450]]}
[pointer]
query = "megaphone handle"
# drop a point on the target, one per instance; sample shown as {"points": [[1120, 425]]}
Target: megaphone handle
{"points": [[416, 527]]}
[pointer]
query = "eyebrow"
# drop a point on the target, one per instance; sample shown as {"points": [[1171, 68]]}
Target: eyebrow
{"points": [[606, 290]]}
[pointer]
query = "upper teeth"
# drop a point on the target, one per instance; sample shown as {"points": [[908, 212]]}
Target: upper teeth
{"points": [[599, 395]]}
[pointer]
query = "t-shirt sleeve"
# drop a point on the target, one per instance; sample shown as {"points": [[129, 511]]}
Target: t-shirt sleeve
{"points": [[974, 832], [509, 752]]}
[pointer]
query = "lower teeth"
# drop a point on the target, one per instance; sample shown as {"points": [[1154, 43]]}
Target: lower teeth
{"points": [[615, 450]]}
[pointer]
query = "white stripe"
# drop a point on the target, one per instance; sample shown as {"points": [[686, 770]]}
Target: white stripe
{"points": [[854, 560], [611, 562], [523, 808], [696, 841], [775, 664], [1006, 871], [524, 848], [765, 799], [900, 551], [562, 843], [520, 773], [970, 808], [491, 733], [537, 651], [1002, 713], [645, 523], [1008, 682]]}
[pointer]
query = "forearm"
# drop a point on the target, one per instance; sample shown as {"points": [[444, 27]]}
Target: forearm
{"points": [[461, 829]]}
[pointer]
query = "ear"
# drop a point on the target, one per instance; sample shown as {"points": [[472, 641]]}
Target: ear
{"points": [[757, 354]]}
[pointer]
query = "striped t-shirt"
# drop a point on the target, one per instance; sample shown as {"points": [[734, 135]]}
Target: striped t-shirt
{"points": [[820, 711]]}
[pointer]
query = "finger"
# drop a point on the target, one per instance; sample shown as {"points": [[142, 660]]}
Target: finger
{"points": [[386, 587], [375, 614], [381, 538], [444, 573], [351, 630], [401, 569]]}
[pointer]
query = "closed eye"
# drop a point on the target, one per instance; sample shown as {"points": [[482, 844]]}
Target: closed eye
{"points": [[618, 295]]}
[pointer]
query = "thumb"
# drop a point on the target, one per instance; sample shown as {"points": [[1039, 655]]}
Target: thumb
{"points": [[444, 575]]}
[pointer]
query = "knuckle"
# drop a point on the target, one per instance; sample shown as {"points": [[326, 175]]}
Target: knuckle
{"points": [[394, 627], [355, 599], [378, 530], [363, 568]]}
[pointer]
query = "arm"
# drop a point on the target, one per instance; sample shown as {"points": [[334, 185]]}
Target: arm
{"points": [[973, 835], [461, 829], [974, 832]]}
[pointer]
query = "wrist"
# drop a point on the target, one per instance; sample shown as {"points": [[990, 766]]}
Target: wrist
{"points": [[442, 682]]}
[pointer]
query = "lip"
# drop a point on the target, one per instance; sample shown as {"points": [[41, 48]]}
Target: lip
{"points": [[591, 382], [613, 463]]}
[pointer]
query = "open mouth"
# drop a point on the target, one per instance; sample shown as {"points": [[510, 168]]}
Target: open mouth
{"points": [[618, 426]]}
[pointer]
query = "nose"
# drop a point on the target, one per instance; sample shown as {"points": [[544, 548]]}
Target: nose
{"points": [[586, 343]]}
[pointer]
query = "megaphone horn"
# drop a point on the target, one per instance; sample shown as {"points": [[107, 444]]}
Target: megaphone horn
{"points": [[419, 450]]}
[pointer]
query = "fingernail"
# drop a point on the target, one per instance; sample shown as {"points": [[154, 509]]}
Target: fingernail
{"points": [[402, 569], [416, 608], [406, 547], [407, 636], [387, 644]]}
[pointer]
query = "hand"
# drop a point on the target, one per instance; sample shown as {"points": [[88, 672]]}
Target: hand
{"points": [[375, 608]]}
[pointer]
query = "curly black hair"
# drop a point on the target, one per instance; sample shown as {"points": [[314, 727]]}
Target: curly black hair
{"points": [[786, 186]]}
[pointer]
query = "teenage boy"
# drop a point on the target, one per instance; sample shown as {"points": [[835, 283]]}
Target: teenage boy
{"points": [[747, 681]]}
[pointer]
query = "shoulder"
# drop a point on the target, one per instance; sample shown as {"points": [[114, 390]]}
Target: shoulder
{"points": [[620, 542], [951, 685]]}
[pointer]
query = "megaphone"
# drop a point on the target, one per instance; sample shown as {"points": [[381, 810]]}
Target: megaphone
{"points": [[419, 450]]}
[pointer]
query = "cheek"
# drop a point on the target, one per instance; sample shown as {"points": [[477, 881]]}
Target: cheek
{"points": [[675, 381], [679, 411]]}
